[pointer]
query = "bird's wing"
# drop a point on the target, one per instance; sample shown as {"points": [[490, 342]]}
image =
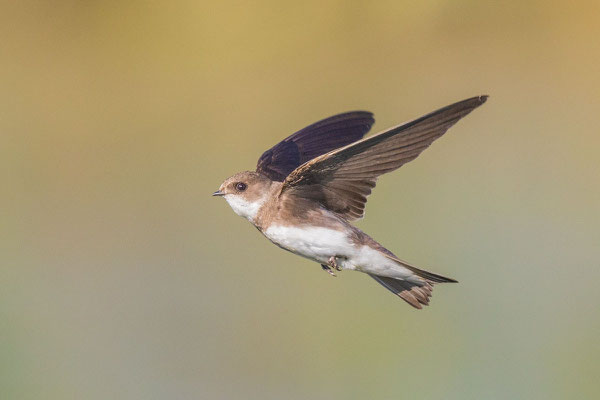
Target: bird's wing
{"points": [[314, 140], [342, 179]]}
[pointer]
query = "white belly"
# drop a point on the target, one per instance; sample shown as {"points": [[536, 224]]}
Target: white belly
{"points": [[316, 243], [319, 244]]}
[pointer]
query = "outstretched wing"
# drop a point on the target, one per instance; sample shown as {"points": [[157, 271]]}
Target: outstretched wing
{"points": [[314, 140], [342, 179]]}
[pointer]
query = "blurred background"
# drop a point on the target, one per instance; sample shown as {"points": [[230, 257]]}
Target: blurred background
{"points": [[121, 277]]}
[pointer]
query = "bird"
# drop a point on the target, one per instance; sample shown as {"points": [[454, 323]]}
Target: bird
{"points": [[307, 189]]}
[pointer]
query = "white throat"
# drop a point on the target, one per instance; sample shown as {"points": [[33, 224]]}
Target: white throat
{"points": [[244, 208]]}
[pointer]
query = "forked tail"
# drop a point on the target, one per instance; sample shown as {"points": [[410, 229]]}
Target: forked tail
{"points": [[415, 294], [417, 284]]}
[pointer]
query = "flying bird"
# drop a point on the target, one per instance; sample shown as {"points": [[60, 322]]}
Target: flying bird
{"points": [[309, 187]]}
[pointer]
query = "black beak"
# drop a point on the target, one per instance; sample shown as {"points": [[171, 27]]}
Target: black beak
{"points": [[218, 193]]}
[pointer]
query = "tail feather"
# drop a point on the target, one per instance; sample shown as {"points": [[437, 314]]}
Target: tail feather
{"points": [[429, 276], [416, 289], [415, 295]]}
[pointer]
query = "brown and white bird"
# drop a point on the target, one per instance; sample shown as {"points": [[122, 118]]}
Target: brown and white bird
{"points": [[307, 189]]}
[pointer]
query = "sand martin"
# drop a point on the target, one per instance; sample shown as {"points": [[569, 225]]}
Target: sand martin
{"points": [[309, 187]]}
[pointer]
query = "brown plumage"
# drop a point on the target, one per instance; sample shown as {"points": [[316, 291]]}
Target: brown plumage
{"points": [[342, 179], [309, 186]]}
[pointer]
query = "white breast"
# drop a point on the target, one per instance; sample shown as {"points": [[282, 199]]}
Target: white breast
{"points": [[244, 208], [316, 243]]}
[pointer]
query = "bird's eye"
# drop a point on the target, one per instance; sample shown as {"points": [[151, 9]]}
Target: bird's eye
{"points": [[240, 186]]}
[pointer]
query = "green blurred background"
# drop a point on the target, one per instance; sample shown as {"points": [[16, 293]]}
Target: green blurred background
{"points": [[122, 278]]}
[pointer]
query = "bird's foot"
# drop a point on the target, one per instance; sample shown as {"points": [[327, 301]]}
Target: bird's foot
{"points": [[327, 269], [333, 263]]}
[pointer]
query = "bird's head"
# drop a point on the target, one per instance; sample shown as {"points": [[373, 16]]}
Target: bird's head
{"points": [[245, 192]]}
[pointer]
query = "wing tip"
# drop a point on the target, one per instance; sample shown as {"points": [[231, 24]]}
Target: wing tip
{"points": [[473, 102]]}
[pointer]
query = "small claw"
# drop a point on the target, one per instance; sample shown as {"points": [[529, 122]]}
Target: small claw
{"points": [[333, 263], [328, 270]]}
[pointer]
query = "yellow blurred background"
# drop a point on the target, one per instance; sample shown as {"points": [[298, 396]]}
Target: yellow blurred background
{"points": [[122, 278]]}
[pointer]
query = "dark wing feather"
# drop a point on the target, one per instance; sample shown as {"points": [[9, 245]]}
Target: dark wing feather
{"points": [[342, 179], [314, 140]]}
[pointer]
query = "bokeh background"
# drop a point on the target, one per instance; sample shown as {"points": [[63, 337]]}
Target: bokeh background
{"points": [[121, 277]]}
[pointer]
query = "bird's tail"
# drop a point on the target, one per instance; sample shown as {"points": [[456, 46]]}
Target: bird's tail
{"points": [[414, 285], [429, 276], [415, 294]]}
